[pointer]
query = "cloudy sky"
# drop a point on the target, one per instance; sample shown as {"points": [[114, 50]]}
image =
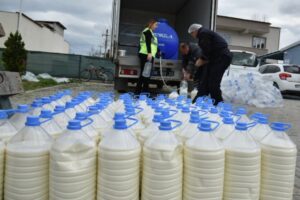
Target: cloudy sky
{"points": [[86, 20]]}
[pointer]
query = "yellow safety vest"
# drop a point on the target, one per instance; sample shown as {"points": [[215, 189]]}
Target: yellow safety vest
{"points": [[154, 43]]}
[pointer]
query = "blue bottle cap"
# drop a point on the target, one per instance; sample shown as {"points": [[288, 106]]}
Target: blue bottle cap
{"points": [[100, 106], [165, 113], [130, 110], [33, 121], [59, 109], [36, 104], [241, 111], [157, 118], [185, 109], [263, 120], [159, 109], [93, 110], [70, 104], [205, 106], [228, 120], [241, 126], [3, 114], [74, 125], [143, 98], [119, 116], [53, 98], [23, 109], [165, 126], [179, 106], [205, 126], [80, 116], [46, 114], [46, 100], [120, 124], [280, 126], [214, 110]]}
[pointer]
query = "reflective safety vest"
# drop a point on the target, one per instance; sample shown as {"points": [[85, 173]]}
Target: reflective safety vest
{"points": [[154, 43]]}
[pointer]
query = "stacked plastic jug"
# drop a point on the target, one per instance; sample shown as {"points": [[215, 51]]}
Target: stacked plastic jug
{"points": [[204, 163], [119, 164], [27, 163], [89, 130], [162, 165], [7, 130], [242, 168], [19, 118], [73, 161], [50, 125], [279, 155]]}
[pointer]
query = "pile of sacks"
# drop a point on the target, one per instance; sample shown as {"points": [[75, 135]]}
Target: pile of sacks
{"points": [[250, 89]]}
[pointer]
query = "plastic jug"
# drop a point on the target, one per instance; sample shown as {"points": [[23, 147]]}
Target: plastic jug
{"points": [[261, 130], [194, 93], [73, 161], [147, 114], [2, 156], [99, 123], [70, 109], [204, 163], [147, 69], [19, 118], [213, 115], [162, 165], [173, 95], [183, 90], [105, 113], [47, 103], [36, 107], [151, 130], [119, 164], [27, 163], [243, 165], [50, 126], [77, 105], [60, 117], [139, 127], [241, 115], [279, 155], [7, 130], [226, 129], [89, 130]]}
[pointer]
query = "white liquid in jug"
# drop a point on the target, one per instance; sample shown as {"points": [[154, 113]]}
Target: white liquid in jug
{"points": [[2, 149]]}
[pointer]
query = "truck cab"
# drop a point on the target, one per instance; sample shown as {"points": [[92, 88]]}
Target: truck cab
{"points": [[129, 19]]}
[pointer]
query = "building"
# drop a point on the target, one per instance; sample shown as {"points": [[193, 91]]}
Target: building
{"points": [[289, 54], [46, 36], [249, 35], [2, 33]]}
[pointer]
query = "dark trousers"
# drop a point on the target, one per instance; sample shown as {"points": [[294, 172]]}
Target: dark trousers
{"points": [[143, 82], [211, 78]]}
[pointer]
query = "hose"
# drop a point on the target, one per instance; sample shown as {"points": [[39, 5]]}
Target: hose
{"points": [[162, 77]]}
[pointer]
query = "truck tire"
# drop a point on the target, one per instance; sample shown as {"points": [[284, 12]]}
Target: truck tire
{"points": [[121, 85]]}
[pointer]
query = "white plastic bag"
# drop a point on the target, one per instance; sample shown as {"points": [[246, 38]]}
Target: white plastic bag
{"points": [[30, 77]]}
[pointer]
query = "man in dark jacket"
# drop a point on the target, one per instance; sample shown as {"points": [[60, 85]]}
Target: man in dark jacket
{"points": [[192, 59], [215, 49]]}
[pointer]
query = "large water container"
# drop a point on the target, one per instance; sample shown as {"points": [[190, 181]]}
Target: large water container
{"points": [[151, 130], [119, 164], [204, 163], [279, 155], [243, 163], [98, 122], [47, 103], [61, 117], [27, 163], [7, 130], [89, 130], [162, 165], [262, 129], [19, 118], [73, 161], [191, 128], [36, 107], [139, 127], [168, 41], [50, 125], [70, 109]]}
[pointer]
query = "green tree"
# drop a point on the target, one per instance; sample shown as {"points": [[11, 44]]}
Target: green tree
{"points": [[14, 55]]}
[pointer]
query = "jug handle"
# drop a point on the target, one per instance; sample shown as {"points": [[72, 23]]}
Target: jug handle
{"points": [[135, 121], [47, 120], [90, 121], [203, 112], [251, 125], [175, 112], [179, 123], [214, 122], [140, 110]]}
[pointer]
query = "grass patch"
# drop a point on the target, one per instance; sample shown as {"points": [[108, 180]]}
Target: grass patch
{"points": [[43, 83]]}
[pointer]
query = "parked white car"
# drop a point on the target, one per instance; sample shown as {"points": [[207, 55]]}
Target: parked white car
{"points": [[286, 77], [243, 61]]}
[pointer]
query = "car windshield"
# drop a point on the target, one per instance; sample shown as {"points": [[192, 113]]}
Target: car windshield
{"points": [[244, 59], [294, 69]]}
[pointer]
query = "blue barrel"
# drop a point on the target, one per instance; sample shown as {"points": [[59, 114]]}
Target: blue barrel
{"points": [[168, 41]]}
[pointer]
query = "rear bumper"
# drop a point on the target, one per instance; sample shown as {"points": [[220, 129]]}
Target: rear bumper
{"points": [[289, 86]]}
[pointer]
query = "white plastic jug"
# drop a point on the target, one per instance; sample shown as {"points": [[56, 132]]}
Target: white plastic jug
{"points": [[89, 130], [98, 122], [47, 103], [213, 115], [27, 163], [50, 125], [183, 90], [194, 93], [119, 165], [60, 117], [19, 118], [70, 109], [139, 127], [204, 163], [36, 107], [151, 130], [226, 129], [73, 161], [2, 156], [162, 165], [7, 130], [279, 155], [147, 114], [147, 69], [261, 130], [105, 113], [241, 115], [243, 164]]}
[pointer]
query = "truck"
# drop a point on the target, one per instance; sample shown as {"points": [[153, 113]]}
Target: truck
{"points": [[128, 20]]}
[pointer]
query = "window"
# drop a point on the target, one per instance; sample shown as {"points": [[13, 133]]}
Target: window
{"points": [[293, 69], [259, 42], [263, 68], [271, 69], [244, 59]]}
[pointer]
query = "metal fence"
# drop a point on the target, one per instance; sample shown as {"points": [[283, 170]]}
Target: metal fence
{"points": [[61, 65]]}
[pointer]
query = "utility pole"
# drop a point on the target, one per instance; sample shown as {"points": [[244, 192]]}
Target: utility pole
{"points": [[106, 35], [20, 15]]}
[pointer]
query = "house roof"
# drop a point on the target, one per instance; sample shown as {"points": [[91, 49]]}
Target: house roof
{"points": [[241, 19], [52, 22], [290, 46], [2, 33]]}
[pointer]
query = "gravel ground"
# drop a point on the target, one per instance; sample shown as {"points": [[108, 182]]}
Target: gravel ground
{"points": [[290, 112]]}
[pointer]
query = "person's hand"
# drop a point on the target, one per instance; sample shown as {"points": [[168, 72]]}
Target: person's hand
{"points": [[200, 62], [186, 75], [149, 56]]}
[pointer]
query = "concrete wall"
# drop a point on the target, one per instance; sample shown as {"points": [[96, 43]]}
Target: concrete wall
{"points": [[36, 38], [273, 39], [236, 38]]}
